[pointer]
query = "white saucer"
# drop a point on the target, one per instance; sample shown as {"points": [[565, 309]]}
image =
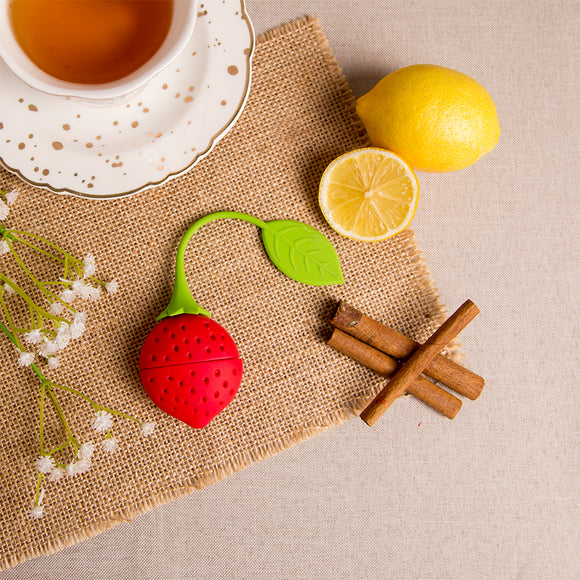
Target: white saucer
{"points": [[105, 152]]}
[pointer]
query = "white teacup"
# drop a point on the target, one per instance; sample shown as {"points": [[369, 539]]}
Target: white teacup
{"points": [[179, 34]]}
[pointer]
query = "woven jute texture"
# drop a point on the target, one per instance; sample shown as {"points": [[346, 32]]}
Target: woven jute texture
{"points": [[299, 116]]}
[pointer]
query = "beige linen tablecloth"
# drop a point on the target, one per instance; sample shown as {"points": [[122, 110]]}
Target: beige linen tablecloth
{"points": [[492, 494]]}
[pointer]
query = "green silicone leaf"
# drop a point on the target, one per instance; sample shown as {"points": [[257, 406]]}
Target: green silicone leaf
{"points": [[302, 253]]}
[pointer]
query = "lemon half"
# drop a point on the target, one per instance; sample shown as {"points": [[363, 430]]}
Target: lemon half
{"points": [[368, 194]]}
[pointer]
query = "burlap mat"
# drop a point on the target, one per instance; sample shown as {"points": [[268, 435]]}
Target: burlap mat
{"points": [[300, 116]]}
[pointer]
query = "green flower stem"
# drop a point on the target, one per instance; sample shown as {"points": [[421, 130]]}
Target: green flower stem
{"points": [[182, 301], [41, 427], [46, 292], [14, 331], [66, 269], [12, 338], [66, 260], [31, 304], [96, 406], [34, 247], [47, 384], [48, 387], [59, 448], [70, 436], [66, 255], [37, 494]]}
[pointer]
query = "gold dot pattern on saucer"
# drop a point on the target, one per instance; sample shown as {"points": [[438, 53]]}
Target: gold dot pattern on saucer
{"points": [[112, 150]]}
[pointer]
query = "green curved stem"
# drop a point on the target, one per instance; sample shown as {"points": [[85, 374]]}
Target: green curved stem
{"points": [[182, 301]]}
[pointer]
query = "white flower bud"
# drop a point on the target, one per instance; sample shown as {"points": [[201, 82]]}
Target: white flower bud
{"points": [[25, 359]]}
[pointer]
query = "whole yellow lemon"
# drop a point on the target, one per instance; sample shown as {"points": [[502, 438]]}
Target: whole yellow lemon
{"points": [[435, 118]]}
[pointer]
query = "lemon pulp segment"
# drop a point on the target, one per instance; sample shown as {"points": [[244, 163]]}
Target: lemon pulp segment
{"points": [[369, 194]]}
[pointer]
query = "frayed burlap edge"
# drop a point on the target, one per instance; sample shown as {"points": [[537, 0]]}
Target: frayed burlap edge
{"points": [[257, 455], [334, 419]]}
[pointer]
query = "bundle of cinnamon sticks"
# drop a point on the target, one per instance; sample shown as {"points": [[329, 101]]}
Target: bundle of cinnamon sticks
{"points": [[393, 355]]}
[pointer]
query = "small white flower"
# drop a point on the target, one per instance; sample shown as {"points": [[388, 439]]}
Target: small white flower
{"points": [[61, 342], [89, 267], [25, 359], [34, 336], [76, 329], [103, 421], [37, 512], [47, 348], [4, 210], [70, 330], [4, 247], [8, 290], [86, 450], [86, 291], [147, 428], [80, 317], [71, 469], [77, 286], [56, 474], [56, 308], [110, 445], [92, 292], [63, 336], [63, 328], [53, 362], [11, 197], [68, 295], [45, 464], [112, 287], [82, 465]]}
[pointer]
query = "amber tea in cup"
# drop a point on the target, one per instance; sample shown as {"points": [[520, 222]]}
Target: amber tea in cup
{"points": [[97, 51], [90, 41]]}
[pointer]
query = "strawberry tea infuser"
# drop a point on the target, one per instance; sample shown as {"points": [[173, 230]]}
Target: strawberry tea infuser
{"points": [[189, 365]]}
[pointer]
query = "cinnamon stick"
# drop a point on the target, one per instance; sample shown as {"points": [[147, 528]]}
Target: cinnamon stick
{"points": [[397, 345], [419, 360], [428, 392]]}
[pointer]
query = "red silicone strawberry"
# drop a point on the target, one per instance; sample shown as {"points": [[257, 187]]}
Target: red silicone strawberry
{"points": [[189, 364], [190, 368]]}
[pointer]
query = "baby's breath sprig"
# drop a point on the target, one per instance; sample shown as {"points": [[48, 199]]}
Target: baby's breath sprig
{"points": [[53, 462], [53, 321], [7, 199]]}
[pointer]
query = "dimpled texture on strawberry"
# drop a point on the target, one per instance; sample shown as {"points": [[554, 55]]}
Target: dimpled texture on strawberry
{"points": [[190, 368]]}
